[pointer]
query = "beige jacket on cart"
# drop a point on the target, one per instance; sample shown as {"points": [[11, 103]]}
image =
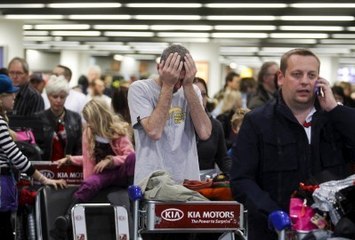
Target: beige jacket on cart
{"points": [[159, 186]]}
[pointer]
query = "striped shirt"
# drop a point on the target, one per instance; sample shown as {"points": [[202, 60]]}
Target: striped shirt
{"points": [[28, 101], [10, 154]]}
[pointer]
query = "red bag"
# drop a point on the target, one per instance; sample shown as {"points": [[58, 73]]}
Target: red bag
{"points": [[217, 189]]}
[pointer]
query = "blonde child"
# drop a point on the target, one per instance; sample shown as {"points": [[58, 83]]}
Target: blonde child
{"points": [[108, 156]]}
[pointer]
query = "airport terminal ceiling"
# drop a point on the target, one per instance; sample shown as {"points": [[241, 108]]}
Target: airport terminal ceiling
{"points": [[243, 29]]}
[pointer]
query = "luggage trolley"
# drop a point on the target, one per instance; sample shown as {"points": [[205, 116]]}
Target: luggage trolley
{"points": [[226, 217]]}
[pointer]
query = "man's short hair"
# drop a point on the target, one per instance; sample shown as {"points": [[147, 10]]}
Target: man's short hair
{"points": [[181, 50], [67, 72], [23, 62], [296, 51]]}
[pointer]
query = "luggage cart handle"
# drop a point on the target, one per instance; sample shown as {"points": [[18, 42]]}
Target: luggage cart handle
{"points": [[279, 221], [135, 193]]}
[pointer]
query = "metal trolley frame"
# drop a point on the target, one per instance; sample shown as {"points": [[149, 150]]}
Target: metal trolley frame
{"points": [[226, 217]]}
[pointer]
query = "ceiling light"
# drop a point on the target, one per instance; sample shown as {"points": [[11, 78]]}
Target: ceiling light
{"points": [[128, 34], [245, 27], [80, 47], [241, 18], [245, 59], [243, 53], [121, 27], [163, 44], [113, 47], [75, 33], [163, 5], [331, 51], [246, 5], [323, 5], [37, 46], [183, 34], [27, 27], [238, 49], [118, 57], [36, 33], [311, 28], [317, 18], [19, 5], [167, 17], [275, 49], [84, 5], [117, 48], [187, 40], [80, 38], [33, 16], [62, 26], [239, 35], [142, 56], [351, 29], [63, 43], [181, 27], [351, 46], [271, 53], [343, 35], [298, 35], [233, 65], [99, 17], [151, 51], [103, 43], [37, 38], [292, 41], [337, 41], [100, 53]]}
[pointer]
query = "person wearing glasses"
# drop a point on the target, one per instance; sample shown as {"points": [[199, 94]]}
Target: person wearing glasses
{"points": [[28, 101]]}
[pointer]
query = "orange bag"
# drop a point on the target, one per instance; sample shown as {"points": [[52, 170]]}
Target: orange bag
{"points": [[217, 189]]}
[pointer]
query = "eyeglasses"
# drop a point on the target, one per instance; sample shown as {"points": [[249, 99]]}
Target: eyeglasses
{"points": [[19, 74]]}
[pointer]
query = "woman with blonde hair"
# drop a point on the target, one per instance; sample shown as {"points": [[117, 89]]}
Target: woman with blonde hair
{"points": [[108, 157], [232, 100]]}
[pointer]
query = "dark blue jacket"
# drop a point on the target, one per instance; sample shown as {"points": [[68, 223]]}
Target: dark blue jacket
{"points": [[272, 155]]}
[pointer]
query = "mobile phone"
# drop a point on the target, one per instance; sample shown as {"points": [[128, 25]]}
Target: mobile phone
{"points": [[319, 92]]}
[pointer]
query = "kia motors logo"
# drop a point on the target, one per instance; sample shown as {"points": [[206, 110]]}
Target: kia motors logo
{"points": [[47, 173], [172, 214]]}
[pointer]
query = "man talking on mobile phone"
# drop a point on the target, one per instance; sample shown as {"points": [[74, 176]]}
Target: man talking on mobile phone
{"points": [[298, 137]]}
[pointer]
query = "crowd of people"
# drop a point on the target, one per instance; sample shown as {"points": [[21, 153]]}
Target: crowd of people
{"points": [[267, 135]]}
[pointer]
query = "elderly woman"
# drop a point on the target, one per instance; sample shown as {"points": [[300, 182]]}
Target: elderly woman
{"points": [[62, 127]]}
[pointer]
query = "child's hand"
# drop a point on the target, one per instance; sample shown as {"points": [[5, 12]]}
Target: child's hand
{"points": [[61, 162], [106, 163]]}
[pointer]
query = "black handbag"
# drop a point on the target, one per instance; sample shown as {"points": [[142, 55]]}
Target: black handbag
{"points": [[345, 204], [345, 201]]}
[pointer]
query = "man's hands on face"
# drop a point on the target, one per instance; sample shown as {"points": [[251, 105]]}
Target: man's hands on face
{"points": [[190, 69], [169, 70]]}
